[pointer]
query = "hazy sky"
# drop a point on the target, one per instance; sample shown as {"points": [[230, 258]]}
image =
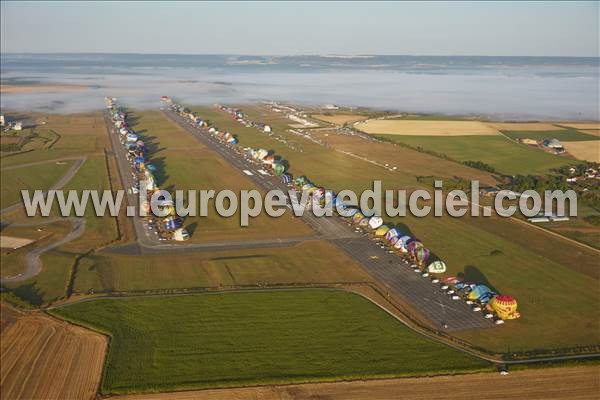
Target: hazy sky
{"points": [[469, 28]]}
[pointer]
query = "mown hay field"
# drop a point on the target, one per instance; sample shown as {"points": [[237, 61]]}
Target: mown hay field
{"points": [[425, 128], [589, 150], [43, 358], [240, 339], [577, 383]]}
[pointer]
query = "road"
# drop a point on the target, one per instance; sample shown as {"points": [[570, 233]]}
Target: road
{"points": [[33, 264], [386, 268]]}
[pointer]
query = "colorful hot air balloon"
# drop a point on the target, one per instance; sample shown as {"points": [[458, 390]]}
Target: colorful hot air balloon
{"points": [[437, 267], [504, 306], [478, 291], [392, 233], [348, 212], [421, 255], [375, 222], [402, 243], [382, 230], [356, 218], [394, 240], [278, 168], [364, 222]]}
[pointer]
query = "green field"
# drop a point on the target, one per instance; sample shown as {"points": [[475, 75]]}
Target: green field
{"points": [[505, 156], [35, 177], [564, 135], [241, 339], [77, 135], [252, 267]]}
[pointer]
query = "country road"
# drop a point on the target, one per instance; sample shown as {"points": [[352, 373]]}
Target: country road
{"points": [[33, 264]]}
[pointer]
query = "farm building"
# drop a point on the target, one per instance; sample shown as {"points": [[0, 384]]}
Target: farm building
{"points": [[18, 126], [554, 145]]}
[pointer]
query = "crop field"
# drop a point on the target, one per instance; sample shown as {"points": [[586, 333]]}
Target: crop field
{"points": [[588, 150], [578, 383], [42, 358], [524, 126], [238, 339], [308, 262], [515, 259], [564, 135], [501, 153], [425, 128], [78, 135], [35, 177], [185, 164], [340, 119], [584, 125]]}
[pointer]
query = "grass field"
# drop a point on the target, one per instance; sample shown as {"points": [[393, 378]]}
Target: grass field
{"points": [[524, 126], [583, 125], [185, 164], [35, 177], [289, 265], [238, 339], [552, 279], [422, 127], [79, 135], [504, 155], [564, 135]]}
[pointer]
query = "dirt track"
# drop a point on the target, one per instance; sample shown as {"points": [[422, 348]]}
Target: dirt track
{"points": [[551, 383], [42, 358]]}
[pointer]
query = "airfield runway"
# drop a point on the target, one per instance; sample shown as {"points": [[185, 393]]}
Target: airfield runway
{"points": [[386, 268]]}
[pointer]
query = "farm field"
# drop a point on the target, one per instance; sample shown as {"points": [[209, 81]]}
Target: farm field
{"points": [[43, 358], [290, 265], [504, 155], [515, 259], [583, 125], [589, 150], [425, 128], [340, 119], [524, 126], [237, 339], [578, 383], [564, 135], [185, 164], [79, 135], [35, 177]]}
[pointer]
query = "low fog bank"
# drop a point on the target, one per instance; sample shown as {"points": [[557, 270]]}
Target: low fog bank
{"points": [[496, 96]]}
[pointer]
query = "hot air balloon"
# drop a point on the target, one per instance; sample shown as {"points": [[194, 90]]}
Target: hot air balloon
{"points": [[300, 181], [278, 168], [402, 243], [394, 240], [307, 186], [181, 235], [504, 306], [364, 222], [382, 230], [286, 178], [348, 212], [478, 291], [392, 233], [436, 267], [375, 222], [421, 255], [357, 217], [412, 246]]}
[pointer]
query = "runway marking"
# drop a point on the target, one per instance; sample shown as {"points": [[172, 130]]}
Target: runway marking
{"points": [[248, 172]]}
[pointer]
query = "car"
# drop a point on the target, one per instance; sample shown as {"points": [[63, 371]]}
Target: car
{"points": [[476, 308]]}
